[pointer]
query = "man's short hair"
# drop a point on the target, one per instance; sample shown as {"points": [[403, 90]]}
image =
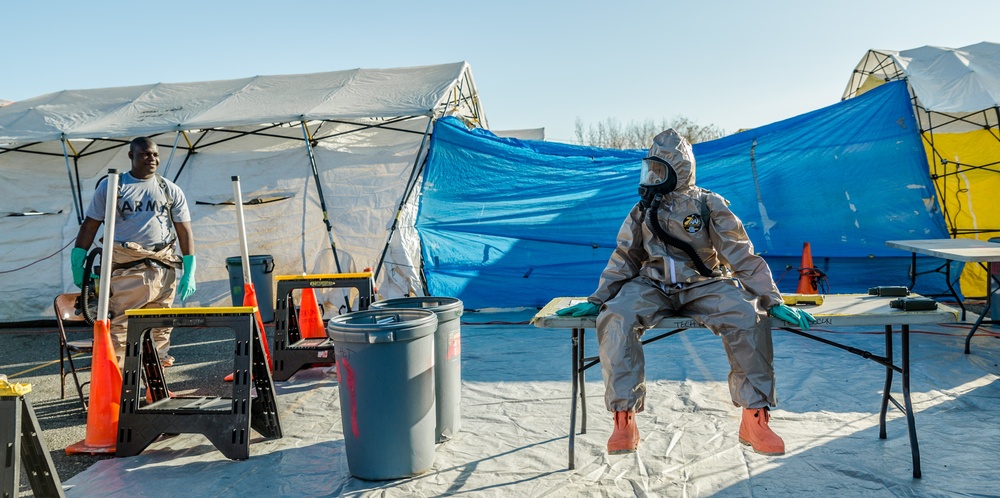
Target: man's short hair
{"points": [[140, 142]]}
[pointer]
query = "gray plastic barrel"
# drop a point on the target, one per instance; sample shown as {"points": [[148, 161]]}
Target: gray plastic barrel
{"points": [[261, 275], [385, 372], [447, 357]]}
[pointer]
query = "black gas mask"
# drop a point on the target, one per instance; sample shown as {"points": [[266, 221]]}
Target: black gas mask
{"points": [[656, 177]]}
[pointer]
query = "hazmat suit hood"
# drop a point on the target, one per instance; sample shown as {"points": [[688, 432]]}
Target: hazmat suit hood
{"points": [[671, 147]]}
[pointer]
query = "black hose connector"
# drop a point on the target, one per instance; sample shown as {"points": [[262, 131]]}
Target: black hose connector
{"points": [[87, 287], [654, 224]]}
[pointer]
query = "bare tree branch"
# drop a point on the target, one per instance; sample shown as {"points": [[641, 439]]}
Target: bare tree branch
{"points": [[610, 133]]}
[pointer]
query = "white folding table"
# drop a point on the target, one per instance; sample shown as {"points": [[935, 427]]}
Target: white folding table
{"points": [[837, 310], [964, 250]]}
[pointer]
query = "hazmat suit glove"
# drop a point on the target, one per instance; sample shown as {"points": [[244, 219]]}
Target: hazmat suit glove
{"points": [[800, 318], [77, 257], [187, 286], [580, 309]]}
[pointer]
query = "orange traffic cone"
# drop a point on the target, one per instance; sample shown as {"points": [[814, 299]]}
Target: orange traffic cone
{"points": [[105, 396], [250, 299], [807, 273], [368, 269], [310, 319]]}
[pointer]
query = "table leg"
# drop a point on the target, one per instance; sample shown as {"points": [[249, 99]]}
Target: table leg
{"points": [[951, 287], [576, 379], [886, 389], [913, 269], [986, 309], [583, 381], [911, 425]]}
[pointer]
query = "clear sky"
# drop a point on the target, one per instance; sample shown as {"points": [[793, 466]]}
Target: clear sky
{"points": [[733, 64]]}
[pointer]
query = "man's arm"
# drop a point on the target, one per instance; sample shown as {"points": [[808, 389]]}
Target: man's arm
{"points": [[88, 230], [185, 237], [625, 260]]}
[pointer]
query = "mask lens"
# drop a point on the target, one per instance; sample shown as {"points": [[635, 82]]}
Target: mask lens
{"points": [[654, 172]]}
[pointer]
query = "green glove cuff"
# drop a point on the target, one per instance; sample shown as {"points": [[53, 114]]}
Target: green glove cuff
{"points": [[77, 258], [190, 263], [78, 255]]}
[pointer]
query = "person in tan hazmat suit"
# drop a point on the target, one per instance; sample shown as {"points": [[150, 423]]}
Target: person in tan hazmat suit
{"points": [[682, 251]]}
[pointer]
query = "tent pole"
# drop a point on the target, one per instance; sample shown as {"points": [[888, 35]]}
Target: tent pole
{"points": [[319, 190], [191, 150], [77, 200], [410, 185], [171, 157], [322, 203]]}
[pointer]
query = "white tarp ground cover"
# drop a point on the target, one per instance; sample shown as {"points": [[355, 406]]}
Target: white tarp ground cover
{"points": [[516, 398]]}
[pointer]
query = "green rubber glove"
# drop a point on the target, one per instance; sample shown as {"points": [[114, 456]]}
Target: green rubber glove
{"points": [[77, 257], [186, 286], [791, 315], [580, 309]]}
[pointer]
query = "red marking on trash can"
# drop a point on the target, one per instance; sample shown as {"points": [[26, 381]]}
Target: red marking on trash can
{"points": [[454, 346], [346, 365]]}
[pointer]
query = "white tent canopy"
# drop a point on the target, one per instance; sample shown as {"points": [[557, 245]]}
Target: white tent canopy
{"points": [[367, 129], [960, 82]]}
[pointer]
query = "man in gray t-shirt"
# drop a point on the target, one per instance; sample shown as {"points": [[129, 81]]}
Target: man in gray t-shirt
{"points": [[152, 220]]}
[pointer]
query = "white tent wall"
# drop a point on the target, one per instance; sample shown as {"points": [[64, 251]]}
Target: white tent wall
{"points": [[362, 184], [31, 247], [368, 132]]}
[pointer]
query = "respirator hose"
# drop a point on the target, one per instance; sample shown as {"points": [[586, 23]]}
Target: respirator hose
{"points": [[654, 224], [86, 289]]}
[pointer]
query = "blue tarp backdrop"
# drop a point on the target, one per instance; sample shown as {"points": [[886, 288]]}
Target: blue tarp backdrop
{"points": [[505, 222]]}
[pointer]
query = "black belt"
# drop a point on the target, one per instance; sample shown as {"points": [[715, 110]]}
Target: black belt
{"points": [[150, 262]]}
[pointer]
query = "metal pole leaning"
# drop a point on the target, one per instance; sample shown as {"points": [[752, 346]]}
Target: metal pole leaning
{"points": [[249, 292], [322, 203], [242, 230], [105, 377]]}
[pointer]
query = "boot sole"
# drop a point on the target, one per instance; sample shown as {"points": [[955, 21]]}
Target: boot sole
{"points": [[622, 452], [755, 450]]}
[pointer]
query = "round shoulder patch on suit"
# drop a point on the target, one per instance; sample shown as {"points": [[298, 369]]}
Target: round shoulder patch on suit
{"points": [[693, 223]]}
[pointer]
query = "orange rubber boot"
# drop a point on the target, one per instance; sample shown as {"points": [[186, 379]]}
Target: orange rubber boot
{"points": [[625, 438], [754, 432]]}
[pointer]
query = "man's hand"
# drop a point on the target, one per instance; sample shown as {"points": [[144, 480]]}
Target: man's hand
{"points": [[187, 286], [580, 309], [77, 257], [791, 315]]}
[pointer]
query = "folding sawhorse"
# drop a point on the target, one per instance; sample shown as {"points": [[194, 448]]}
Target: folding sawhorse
{"points": [[21, 437], [226, 422], [291, 352]]}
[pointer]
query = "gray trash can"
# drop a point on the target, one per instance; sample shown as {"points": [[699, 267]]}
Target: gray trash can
{"points": [[447, 357], [385, 372], [261, 275]]}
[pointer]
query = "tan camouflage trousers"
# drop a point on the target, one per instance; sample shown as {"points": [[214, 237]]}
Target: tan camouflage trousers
{"points": [[143, 286]]}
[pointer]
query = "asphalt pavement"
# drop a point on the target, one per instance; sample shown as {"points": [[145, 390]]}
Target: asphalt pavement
{"points": [[203, 357]]}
